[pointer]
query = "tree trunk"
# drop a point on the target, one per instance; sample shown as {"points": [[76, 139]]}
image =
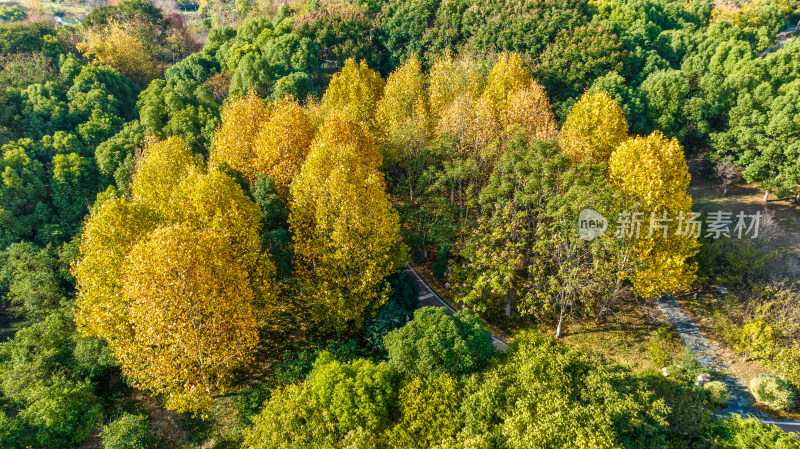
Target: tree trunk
{"points": [[724, 189], [508, 303], [766, 196], [560, 323]]}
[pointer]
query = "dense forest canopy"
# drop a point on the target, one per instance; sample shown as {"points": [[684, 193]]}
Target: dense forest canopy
{"points": [[221, 226]]}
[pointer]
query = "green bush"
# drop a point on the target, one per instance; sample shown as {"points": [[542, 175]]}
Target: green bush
{"points": [[128, 432], [772, 391], [357, 394], [675, 372], [748, 434], [660, 347], [718, 392], [434, 343]]}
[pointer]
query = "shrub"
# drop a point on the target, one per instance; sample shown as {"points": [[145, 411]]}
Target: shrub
{"points": [[660, 347], [396, 312], [434, 343], [675, 372], [128, 432], [357, 394], [772, 391], [748, 434], [718, 392]]}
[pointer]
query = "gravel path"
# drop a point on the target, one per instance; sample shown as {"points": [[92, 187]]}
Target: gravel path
{"points": [[741, 402]]}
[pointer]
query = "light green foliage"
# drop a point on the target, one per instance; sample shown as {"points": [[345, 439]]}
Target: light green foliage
{"points": [[128, 432], [13, 13], [773, 391], [718, 393], [356, 394], [434, 343], [430, 411], [749, 434]]}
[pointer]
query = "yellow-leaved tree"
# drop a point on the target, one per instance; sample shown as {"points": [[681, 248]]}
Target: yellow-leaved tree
{"points": [[283, 142], [235, 139], [355, 90], [256, 138], [403, 113], [115, 46], [652, 174], [173, 277], [345, 230], [594, 127]]}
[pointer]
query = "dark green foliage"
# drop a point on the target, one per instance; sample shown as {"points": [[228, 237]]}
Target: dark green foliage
{"points": [[23, 37], [434, 343], [276, 237], [34, 280], [396, 312], [128, 432], [195, 67], [125, 11], [179, 108], [576, 58]]}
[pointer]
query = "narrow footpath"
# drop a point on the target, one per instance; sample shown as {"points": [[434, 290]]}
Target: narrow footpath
{"points": [[429, 298], [741, 402]]}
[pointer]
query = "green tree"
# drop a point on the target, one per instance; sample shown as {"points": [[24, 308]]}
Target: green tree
{"points": [[434, 343]]}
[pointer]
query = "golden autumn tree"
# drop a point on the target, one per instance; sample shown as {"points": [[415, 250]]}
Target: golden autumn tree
{"points": [[450, 78], [115, 46], [256, 138], [234, 140], [529, 109], [652, 174], [173, 277], [283, 142], [355, 90], [192, 315], [594, 127], [403, 113], [346, 233]]}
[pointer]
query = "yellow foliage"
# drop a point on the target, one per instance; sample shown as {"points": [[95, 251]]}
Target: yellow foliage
{"points": [[346, 233], [117, 47], [652, 173], [192, 315], [158, 171], [355, 90], [282, 143], [449, 79], [108, 235], [403, 113], [173, 277], [594, 127], [529, 109], [234, 140]]}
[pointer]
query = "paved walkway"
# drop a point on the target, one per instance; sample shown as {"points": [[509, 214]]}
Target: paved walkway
{"points": [[741, 402], [429, 298]]}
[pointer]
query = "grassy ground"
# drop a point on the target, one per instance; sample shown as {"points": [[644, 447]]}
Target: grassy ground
{"points": [[627, 337]]}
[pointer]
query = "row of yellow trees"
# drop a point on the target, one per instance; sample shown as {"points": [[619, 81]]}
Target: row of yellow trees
{"points": [[173, 274]]}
